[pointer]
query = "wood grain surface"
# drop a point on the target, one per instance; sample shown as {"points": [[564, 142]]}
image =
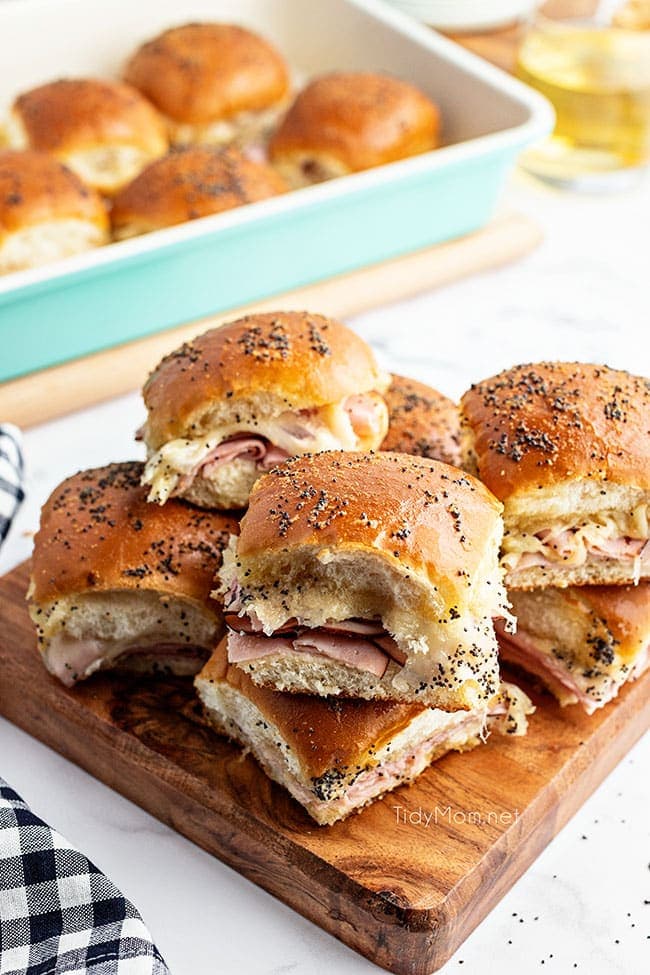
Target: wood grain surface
{"points": [[403, 893], [74, 385]]}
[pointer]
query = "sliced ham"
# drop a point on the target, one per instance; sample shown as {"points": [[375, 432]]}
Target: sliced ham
{"points": [[362, 654], [265, 454], [364, 413], [563, 548]]}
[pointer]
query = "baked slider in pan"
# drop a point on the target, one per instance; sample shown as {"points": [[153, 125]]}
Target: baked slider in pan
{"points": [[583, 642], [368, 575], [117, 582], [566, 448], [241, 398], [46, 212], [337, 755], [105, 131], [421, 421], [213, 83], [345, 122], [187, 184]]}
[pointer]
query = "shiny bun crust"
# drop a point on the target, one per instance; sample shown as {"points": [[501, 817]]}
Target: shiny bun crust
{"points": [[421, 515], [357, 120], [79, 119], [41, 198], [99, 534], [535, 426], [190, 183], [200, 73], [322, 732], [421, 421], [291, 360]]}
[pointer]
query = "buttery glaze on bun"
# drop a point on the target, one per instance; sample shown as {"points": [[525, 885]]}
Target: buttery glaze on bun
{"points": [[46, 212], [368, 575], [348, 121], [421, 421], [334, 756], [116, 581], [214, 83], [105, 131], [190, 183], [565, 446], [240, 398], [584, 642]]}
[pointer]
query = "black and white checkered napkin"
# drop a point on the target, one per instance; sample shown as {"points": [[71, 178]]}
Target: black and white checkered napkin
{"points": [[59, 914], [11, 476]]}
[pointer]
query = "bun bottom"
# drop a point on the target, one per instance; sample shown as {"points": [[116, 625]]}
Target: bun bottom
{"points": [[48, 241], [305, 168], [596, 572], [300, 673], [409, 753], [228, 487]]}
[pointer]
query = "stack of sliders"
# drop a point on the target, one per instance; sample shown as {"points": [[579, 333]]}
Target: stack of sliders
{"points": [[359, 603], [566, 448]]}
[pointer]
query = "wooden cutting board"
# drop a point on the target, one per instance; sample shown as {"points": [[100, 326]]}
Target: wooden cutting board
{"points": [[393, 884]]}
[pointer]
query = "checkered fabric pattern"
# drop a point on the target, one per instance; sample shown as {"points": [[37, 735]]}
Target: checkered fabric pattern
{"points": [[59, 914], [11, 475]]}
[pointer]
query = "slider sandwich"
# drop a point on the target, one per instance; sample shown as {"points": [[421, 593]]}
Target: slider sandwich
{"points": [[117, 582], [229, 405], [336, 755], [566, 448], [583, 642], [213, 83], [421, 421], [368, 575]]}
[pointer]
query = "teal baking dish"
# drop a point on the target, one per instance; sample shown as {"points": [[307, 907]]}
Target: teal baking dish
{"points": [[130, 289]]}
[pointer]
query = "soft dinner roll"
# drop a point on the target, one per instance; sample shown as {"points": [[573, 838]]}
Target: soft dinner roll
{"points": [[190, 183], [103, 130], [119, 582], [348, 121], [45, 212], [584, 642], [566, 447], [421, 421], [241, 398], [335, 755], [214, 83], [368, 575]]}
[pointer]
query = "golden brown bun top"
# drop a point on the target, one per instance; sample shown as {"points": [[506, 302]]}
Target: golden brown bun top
{"points": [[536, 425], [303, 360], [421, 421], [199, 73], [99, 533], [624, 609], [35, 188], [73, 115], [190, 183], [361, 119], [324, 732], [426, 515]]}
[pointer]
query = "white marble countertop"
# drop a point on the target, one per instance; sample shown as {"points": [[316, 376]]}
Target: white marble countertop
{"points": [[585, 904]]}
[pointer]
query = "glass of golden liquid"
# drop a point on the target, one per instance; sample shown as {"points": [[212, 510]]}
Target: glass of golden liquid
{"points": [[592, 61]]}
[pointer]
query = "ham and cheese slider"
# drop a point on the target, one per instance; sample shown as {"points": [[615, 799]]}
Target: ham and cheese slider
{"points": [[565, 447], [213, 83], [105, 131], [188, 184], [348, 121], [583, 642], [239, 399], [368, 575], [46, 213], [421, 421], [337, 755], [117, 582]]}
